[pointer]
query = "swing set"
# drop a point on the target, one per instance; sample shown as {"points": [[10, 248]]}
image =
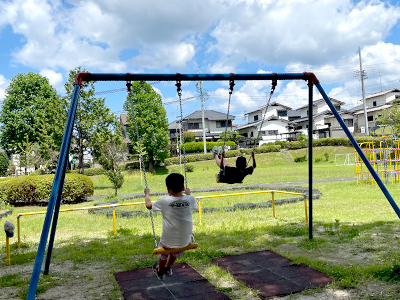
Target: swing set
{"points": [[54, 203]]}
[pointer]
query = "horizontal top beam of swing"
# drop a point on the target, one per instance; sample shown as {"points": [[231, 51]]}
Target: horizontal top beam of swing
{"points": [[87, 77]]}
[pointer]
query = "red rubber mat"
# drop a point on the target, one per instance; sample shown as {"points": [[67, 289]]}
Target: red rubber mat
{"points": [[185, 283], [271, 274]]}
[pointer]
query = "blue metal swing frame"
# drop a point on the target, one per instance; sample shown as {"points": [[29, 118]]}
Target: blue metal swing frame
{"points": [[58, 183]]}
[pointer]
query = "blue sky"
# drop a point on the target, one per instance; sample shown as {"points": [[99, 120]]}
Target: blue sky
{"points": [[214, 36]]}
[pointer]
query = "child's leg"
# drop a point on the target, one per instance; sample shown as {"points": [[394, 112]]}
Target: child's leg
{"points": [[218, 161], [170, 261], [161, 263]]}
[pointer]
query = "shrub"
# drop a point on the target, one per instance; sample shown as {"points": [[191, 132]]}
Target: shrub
{"points": [[33, 190], [94, 171], [300, 159], [318, 159], [189, 167]]}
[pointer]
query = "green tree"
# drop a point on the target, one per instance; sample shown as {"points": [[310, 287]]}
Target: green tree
{"points": [[28, 155], [31, 111], [4, 163], [189, 136], [112, 155], [391, 117], [152, 122], [93, 121]]}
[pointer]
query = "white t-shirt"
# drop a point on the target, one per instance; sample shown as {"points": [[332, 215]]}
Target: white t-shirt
{"points": [[177, 219]]}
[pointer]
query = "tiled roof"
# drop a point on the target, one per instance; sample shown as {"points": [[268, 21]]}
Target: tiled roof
{"points": [[322, 99], [270, 105], [211, 115]]}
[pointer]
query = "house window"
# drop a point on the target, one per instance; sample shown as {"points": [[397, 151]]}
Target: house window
{"points": [[272, 132], [193, 125], [299, 127], [370, 118], [222, 124], [251, 134], [255, 118], [282, 113], [374, 103], [348, 122], [337, 107]]}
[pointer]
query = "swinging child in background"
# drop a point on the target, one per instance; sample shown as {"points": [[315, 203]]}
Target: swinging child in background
{"points": [[176, 209], [230, 174]]}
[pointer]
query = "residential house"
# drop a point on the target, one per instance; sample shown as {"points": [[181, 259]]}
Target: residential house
{"points": [[375, 104], [214, 123], [273, 122], [322, 120]]}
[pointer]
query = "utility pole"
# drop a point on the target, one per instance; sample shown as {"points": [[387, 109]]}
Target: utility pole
{"points": [[199, 86], [362, 74]]}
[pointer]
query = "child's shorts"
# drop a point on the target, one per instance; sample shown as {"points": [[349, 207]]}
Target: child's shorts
{"points": [[165, 256]]}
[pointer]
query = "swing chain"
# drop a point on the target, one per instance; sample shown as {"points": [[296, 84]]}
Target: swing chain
{"points": [[129, 86], [179, 90]]}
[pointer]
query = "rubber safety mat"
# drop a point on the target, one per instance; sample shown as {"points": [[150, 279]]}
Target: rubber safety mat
{"points": [[271, 274], [185, 283]]}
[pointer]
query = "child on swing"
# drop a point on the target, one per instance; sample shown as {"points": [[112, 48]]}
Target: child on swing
{"points": [[230, 174], [176, 209]]}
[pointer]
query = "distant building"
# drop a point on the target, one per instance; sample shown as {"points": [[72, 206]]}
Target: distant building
{"points": [[215, 123]]}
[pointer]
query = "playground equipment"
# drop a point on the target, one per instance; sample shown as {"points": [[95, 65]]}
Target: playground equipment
{"points": [[53, 207], [383, 153]]}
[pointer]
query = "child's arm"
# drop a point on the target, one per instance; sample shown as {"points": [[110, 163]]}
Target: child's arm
{"points": [[147, 198], [187, 191], [254, 160]]}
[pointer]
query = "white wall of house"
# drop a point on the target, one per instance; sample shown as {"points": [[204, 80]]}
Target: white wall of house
{"points": [[273, 130]]}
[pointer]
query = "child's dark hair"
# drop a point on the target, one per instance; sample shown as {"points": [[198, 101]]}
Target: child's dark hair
{"points": [[241, 163], [175, 182]]}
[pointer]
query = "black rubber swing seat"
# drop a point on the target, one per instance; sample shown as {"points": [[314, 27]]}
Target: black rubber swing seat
{"points": [[216, 178], [162, 250]]}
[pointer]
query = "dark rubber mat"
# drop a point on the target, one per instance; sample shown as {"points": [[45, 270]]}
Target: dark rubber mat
{"points": [[271, 274], [185, 283]]}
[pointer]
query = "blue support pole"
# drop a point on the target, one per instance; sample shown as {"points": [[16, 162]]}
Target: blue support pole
{"points": [[55, 219], [57, 185], [310, 158], [359, 151]]}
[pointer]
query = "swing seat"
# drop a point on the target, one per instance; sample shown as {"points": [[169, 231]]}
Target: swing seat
{"points": [[216, 178], [162, 250]]}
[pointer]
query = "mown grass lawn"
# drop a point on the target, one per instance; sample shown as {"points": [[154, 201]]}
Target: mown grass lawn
{"points": [[356, 235]]}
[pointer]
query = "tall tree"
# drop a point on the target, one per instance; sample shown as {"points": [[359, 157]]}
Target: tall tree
{"points": [[391, 117], [93, 118], [152, 122], [31, 111]]}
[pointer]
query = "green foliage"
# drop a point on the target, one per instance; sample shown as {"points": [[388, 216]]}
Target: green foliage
{"points": [[94, 121], [326, 154], [31, 111], [318, 159], [189, 167], [151, 120], [391, 273], [4, 163], [230, 136], [117, 179], [32, 190], [189, 136], [92, 171], [391, 117], [300, 159]]}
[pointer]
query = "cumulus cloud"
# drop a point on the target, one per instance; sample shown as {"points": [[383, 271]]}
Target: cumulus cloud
{"points": [[3, 86], [55, 79], [277, 33]]}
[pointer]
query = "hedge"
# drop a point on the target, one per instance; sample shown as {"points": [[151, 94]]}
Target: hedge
{"points": [[199, 146], [34, 190], [265, 148]]}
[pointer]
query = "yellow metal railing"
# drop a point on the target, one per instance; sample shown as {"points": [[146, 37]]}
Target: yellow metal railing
{"points": [[272, 192], [199, 198]]}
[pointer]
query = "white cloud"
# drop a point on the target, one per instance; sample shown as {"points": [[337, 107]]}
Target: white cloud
{"points": [[55, 79], [314, 32], [3, 86]]}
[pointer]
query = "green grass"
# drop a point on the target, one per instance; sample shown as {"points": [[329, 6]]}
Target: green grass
{"points": [[355, 231]]}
